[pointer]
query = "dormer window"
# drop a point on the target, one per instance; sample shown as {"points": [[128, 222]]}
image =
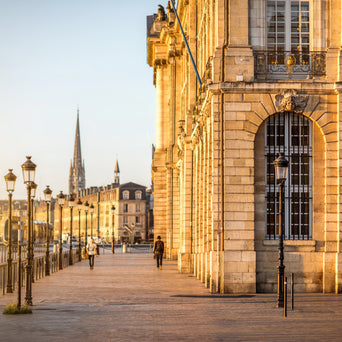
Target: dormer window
{"points": [[125, 195], [138, 195]]}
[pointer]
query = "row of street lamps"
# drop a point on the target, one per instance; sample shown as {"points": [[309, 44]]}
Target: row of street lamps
{"points": [[28, 169], [86, 207]]}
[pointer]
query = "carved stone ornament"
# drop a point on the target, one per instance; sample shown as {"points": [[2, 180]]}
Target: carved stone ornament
{"points": [[290, 100], [161, 16], [181, 138], [196, 135]]}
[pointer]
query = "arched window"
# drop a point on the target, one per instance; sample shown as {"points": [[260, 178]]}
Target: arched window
{"points": [[291, 134]]}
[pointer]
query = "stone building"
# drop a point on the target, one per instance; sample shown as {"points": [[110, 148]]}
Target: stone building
{"points": [[19, 214], [128, 223], [271, 75]]}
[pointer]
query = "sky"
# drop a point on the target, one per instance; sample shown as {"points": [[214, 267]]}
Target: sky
{"points": [[60, 55]]}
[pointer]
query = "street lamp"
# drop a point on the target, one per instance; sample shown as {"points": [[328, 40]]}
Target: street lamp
{"points": [[91, 220], [33, 235], [60, 200], [113, 240], [47, 196], [86, 208], [79, 207], [10, 179], [71, 205], [29, 171], [281, 167]]}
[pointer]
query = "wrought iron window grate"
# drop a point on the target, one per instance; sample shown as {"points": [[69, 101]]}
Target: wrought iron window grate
{"points": [[291, 134]]}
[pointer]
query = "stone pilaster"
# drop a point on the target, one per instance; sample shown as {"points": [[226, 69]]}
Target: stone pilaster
{"points": [[160, 194], [239, 61], [161, 102], [334, 53], [184, 256], [239, 253]]}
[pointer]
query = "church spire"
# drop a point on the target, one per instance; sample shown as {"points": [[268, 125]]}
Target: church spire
{"points": [[77, 146], [117, 173], [77, 173]]}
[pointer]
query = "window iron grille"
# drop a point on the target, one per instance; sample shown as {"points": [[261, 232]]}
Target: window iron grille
{"points": [[290, 134]]}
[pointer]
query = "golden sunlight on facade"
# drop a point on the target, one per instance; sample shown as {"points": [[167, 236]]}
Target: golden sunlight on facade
{"points": [[271, 75]]}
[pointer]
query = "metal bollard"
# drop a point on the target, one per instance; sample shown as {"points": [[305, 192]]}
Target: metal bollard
{"points": [[292, 291], [285, 297]]}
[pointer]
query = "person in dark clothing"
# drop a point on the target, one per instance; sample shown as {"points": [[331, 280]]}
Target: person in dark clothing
{"points": [[159, 251]]}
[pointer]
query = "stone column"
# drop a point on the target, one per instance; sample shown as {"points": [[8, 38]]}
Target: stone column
{"points": [[161, 103], [186, 248]]}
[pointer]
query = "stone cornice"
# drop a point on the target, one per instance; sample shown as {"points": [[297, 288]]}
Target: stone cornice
{"points": [[308, 87]]}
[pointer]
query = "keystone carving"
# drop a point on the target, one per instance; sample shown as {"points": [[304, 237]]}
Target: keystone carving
{"points": [[290, 100]]}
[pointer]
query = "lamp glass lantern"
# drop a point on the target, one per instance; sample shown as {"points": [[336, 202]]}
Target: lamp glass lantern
{"points": [[34, 189], [113, 210], [47, 194], [91, 208], [29, 170], [86, 206], [281, 167], [61, 198], [71, 201], [10, 179], [79, 204]]}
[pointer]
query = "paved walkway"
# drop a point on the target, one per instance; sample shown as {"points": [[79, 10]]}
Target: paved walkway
{"points": [[126, 298]]}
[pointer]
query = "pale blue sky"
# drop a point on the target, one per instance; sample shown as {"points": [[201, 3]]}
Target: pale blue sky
{"points": [[56, 55]]}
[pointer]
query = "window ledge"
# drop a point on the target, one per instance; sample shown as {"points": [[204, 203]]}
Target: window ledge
{"points": [[297, 243]]}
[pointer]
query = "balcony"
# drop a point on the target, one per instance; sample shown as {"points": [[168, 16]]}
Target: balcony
{"points": [[273, 65]]}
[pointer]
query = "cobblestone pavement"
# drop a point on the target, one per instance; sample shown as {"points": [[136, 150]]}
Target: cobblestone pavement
{"points": [[126, 298]]}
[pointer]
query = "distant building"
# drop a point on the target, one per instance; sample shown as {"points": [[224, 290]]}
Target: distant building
{"points": [[129, 222], [19, 212], [77, 173]]}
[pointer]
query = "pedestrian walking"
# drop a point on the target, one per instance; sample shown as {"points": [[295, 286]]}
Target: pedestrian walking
{"points": [[158, 252], [92, 251]]}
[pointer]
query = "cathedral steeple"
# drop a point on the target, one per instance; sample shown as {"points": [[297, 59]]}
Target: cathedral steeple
{"points": [[77, 172], [117, 173]]}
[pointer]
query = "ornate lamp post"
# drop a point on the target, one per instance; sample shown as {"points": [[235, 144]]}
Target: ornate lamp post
{"points": [[33, 235], [86, 208], [60, 200], [71, 205], [79, 207], [113, 240], [10, 179], [29, 170], [281, 167], [91, 209], [47, 197]]}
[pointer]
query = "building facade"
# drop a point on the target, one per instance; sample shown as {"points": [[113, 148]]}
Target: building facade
{"points": [[128, 223], [271, 75]]}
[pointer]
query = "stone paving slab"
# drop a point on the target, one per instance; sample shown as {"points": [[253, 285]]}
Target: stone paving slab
{"points": [[126, 298]]}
